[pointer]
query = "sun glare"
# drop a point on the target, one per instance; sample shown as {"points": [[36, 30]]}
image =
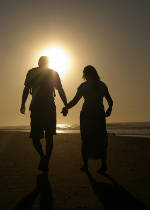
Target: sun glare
{"points": [[59, 59]]}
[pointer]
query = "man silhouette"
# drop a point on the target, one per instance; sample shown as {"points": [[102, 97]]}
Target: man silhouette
{"points": [[41, 83]]}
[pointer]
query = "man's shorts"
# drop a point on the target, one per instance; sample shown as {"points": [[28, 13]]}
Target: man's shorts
{"points": [[43, 123]]}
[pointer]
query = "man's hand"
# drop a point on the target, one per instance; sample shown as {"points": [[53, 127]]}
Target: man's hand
{"points": [[22, 109], [24, 98], [64, 111], [108, 112]]}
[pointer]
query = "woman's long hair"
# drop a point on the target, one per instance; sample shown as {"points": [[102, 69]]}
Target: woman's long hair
{"points": [[90, 74]]}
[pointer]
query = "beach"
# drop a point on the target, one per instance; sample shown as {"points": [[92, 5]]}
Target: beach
{"points": [[66, 187]]}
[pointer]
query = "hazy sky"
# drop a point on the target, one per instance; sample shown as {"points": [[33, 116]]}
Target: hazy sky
{"points": [[113, 35]]}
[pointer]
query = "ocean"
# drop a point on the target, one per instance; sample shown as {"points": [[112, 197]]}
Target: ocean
{"points": [[124, 129]]}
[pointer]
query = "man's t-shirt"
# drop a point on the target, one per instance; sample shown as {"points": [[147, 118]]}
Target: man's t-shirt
{"points": [[42, 84]]}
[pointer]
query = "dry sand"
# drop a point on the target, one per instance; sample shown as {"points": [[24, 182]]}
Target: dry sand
{"points": [[23, 187]]}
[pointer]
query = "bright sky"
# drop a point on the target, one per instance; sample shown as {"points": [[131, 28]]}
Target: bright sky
{"points": [[59, 60], [113, 36]]}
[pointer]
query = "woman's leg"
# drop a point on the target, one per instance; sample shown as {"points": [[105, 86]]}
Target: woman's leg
{"points": [[103, 167], [84, 157]]}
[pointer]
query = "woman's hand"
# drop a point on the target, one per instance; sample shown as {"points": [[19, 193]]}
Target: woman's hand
{"points": [[22, 109], [64, 111], [108, 112]]}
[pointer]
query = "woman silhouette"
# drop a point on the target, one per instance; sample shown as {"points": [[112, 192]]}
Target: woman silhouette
{"points": [[92, 117]]}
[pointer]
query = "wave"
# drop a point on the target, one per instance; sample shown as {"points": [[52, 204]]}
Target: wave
{"points": [[131, 128]]}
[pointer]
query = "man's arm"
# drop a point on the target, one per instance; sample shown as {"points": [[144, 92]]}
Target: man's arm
{"points": [[24, 98], [64, 99], [59, 87], [62, 95]]}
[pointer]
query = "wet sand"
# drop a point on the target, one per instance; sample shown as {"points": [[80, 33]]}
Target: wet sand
{"points": [[23, 187]]}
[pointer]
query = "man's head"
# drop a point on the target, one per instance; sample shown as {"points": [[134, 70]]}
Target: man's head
{"points": [[43, 62]]}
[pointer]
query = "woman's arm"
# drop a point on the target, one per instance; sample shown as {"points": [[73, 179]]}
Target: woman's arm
{"points": [[74, 101], [110, 103]]}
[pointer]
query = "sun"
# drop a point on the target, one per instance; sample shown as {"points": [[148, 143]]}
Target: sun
{"points": [[58, 59]]}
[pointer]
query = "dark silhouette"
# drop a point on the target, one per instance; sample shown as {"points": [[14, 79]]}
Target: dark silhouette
{"points": [[114, 196], [92, 117], [41, 83], [43, 189]]}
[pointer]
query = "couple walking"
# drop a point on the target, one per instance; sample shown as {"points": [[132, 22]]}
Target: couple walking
{"points": [[41, 83]]}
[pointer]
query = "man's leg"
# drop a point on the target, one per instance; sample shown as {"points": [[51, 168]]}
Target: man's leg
{"points": [[104, 163], [49, 147], [38, 146]]}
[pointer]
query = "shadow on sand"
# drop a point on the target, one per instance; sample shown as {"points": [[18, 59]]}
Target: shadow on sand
{"points": [[43, 189], [113, 196]]}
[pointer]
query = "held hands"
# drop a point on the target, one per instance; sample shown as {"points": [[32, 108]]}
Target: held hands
{"points": [[22, 109], [64, 111], [108, 112]]}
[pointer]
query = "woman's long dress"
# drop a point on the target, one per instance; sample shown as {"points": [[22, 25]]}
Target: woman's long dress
{"points": [[92, 120]]}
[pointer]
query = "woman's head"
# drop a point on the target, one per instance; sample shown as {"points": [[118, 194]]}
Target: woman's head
{"points": [[90, 73]]}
